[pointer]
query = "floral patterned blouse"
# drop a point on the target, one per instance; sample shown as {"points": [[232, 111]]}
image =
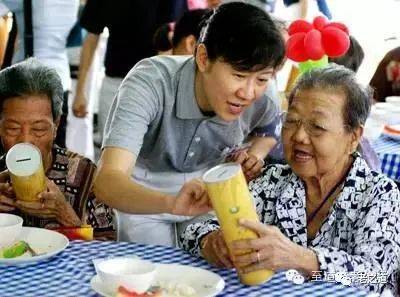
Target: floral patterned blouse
{"points": [[361, 233]]}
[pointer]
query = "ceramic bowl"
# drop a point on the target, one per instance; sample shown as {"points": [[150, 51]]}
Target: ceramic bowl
{"points": [[133, 274], [10, 228]]}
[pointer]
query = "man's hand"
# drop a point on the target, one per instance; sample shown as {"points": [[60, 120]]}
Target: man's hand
{"points": [[251, 165], [51, 205], [79, 107], [192, 199]]}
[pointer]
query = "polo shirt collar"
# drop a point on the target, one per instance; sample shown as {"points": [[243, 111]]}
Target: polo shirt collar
{"points": [[187, 107]]}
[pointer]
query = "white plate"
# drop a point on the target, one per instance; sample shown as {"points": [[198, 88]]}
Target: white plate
{"points": [[206, 283], [390, 134], [46, 243]]}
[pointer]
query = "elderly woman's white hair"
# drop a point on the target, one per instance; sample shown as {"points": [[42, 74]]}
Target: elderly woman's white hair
{"points": [[31, 77], [339, 78]]}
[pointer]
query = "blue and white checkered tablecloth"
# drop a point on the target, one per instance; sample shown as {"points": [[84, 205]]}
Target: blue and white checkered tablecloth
{"points": [[388, 151], [68, 274]]}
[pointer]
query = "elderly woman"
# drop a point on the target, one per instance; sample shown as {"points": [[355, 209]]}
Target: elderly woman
{"points": [[326, 210], [31, 97]]}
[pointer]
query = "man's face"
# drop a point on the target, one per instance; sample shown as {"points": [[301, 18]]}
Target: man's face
{"points": [[229, 92], [28, 120]]}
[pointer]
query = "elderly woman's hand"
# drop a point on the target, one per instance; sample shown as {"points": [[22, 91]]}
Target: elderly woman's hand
{"points": [[7, 195], [51, 205], [215, 251], [272, 251], [251, 164]]}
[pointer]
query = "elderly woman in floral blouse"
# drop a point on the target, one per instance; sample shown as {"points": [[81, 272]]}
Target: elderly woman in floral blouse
{"points": [[30, 109], [327, 210]]}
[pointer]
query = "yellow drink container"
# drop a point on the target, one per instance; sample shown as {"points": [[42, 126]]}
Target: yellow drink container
{"points": [[24, 163], [231, 200]]}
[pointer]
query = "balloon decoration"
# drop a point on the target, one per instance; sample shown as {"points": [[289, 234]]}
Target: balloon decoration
{"points": [[311, 44]]}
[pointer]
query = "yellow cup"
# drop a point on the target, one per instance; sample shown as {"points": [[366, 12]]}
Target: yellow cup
{"points": [[24, 163], [231, 200]]}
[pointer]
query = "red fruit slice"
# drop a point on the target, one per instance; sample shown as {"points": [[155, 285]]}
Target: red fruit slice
{"points": [[313, 45]]}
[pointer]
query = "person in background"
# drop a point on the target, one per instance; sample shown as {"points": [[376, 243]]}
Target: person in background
{"points": [[354, 56], [174, 117], [187, 32], [386, 79], [353, 60], [51, 22], [213, 3], [31, 98], [162, 39], [131, 26], [326, 211], [5, 28]]}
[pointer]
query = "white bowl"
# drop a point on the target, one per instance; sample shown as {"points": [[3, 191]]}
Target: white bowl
{"points": [[10, 228], [393, 99], [134, 274]]}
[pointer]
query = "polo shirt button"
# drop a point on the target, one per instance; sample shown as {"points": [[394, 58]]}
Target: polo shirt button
{"points": [[191, 154], [197, 139]]}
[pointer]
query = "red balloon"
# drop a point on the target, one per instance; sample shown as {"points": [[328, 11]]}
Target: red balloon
{"points": [[299, 26], [313, 45], [295, 47], [335, 42], [340, 26], [320, 22]]}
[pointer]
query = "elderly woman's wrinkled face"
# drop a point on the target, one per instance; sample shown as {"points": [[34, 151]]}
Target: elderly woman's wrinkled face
{"points": [[28, 119], [314, 134]]}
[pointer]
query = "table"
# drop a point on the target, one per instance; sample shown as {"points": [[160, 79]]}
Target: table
{"points": [[388, 151], [68, 274]]}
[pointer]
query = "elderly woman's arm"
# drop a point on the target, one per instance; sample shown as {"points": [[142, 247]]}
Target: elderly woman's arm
{"points": [[377, 241]]}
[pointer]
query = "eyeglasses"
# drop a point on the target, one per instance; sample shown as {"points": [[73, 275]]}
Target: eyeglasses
{"points": [[312, 128]]}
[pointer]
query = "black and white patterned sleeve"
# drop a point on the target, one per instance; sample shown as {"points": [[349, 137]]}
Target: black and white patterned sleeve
{"points": [[190, 239], [377, 237]]}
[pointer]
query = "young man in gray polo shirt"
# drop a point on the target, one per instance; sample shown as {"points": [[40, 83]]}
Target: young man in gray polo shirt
{"points": [[175, 117]]}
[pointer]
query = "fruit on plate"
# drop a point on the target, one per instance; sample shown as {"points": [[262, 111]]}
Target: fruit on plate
{"points": [[123, 292], [395, 129], [84, 232], [17, 249]]}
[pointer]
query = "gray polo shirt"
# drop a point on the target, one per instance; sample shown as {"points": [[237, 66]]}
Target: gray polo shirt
{"points": [[155, 116]]}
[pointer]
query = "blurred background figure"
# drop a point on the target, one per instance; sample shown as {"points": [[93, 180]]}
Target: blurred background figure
{"points": [[213, 3], [80, 131], [43, 28], [291, 10], [187, 32], [353, 58], [386, 79], [131, 26], [7, 38], [162, 39]]}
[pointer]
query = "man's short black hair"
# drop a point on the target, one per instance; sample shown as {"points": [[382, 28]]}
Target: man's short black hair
{"points": [[188, 24], [243, 36]]}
